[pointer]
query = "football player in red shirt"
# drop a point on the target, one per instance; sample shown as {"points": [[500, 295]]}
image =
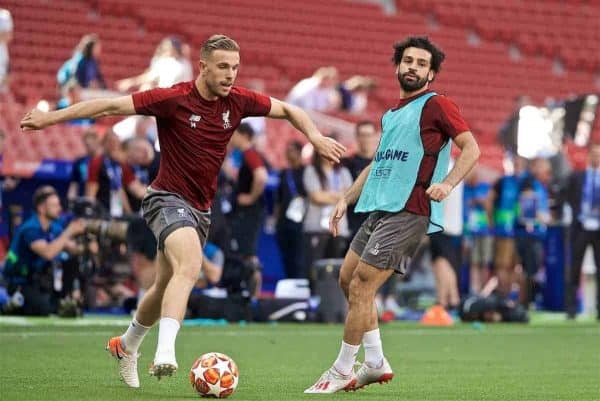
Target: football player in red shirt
{"points": [[195, 121]]}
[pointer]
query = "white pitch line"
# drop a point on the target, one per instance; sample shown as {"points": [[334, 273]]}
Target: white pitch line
{"points": [[55, 333], [318, 333]]}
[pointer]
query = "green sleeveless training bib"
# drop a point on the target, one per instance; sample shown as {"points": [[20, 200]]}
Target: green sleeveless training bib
{"points": [[394, 170]]}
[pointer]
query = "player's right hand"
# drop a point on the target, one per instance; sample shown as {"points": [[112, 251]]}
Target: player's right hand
{"points": [[35, 119], [76, 227], [336, 216]]}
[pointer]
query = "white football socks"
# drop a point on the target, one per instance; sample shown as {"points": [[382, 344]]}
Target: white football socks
{"points": [[167, 333], [346, 358], [134, 336], [373, 348]]}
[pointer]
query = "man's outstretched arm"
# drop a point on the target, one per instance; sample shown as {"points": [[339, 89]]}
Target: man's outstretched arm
{"points": [[327, 147], [37, 119]]}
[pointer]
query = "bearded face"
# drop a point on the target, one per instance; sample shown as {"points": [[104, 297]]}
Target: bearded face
{"points": [[414, 70]]}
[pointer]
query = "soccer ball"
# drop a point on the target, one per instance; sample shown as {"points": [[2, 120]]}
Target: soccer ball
{"points": [[214, 375]]}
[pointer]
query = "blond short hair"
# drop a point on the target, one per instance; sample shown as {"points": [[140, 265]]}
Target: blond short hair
{"points": [[218, 42]]}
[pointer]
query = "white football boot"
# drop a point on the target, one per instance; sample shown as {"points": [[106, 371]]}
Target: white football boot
{"points": [[332, 381], [127, 362], [368, 375]]}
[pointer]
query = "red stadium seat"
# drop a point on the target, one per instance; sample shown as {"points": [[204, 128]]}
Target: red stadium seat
{"points": [[284, 42]]}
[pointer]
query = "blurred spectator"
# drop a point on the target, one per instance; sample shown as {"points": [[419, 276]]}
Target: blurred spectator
{"points": [[290, 211], [140, 170], [366, 141], [66, 72], [446, 249], [248, 206], [6, 184], [105, 178], [533, 216], [137, 127], [317, 92], [504, 197], [212, 266], [6, 35], [142, 248], [258, 123], [220, 229], [88, 72], [208, 299], [168, 67], [33, 267], [554, 177], [185, 57], [477, 216], [354, 93], [583, 195], [71, 94], [325, 184], [79, 172]]}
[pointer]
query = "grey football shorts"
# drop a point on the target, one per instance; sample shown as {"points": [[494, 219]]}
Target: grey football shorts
{"points": [[389, 240], [165, 212]]}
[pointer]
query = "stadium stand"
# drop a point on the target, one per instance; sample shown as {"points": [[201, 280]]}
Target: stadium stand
{"points": [[496, 50]]}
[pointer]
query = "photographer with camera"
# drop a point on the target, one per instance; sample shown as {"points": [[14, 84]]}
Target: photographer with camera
{"points": [[33, 268]]}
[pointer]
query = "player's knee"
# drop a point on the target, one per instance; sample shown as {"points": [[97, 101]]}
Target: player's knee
{"points": [[189, 271], [358, 291], [353, 293]]}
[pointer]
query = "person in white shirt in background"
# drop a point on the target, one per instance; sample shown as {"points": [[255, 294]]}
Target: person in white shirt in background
{"points": [[258, 124], [317, 92], [6, 34], [169, 65]]}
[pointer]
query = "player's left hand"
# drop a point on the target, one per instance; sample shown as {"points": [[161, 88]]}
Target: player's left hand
{"points": [[438, 192], [329, 148]]}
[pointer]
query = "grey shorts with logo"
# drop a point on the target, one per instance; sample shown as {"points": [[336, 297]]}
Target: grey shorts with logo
{"points": [[165, 212], [389, 240]]}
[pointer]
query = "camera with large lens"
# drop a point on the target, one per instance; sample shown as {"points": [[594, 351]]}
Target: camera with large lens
{"points": [[85, 208], [97, 222], [114, 230]]}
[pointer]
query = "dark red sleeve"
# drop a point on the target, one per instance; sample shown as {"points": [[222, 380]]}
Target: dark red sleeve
{"points": [[159, 102], [449, 120], [253, 159], [128, 175], [255, 104], [94, 169]]}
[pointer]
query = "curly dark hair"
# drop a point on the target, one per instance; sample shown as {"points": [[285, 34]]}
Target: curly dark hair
{"points": [[420, 42]]}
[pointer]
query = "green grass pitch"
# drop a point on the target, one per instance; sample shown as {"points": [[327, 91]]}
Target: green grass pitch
{"points": [[53, 359]]}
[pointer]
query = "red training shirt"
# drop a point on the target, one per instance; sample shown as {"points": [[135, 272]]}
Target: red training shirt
{"points": [[193, 134], [441, 121]]}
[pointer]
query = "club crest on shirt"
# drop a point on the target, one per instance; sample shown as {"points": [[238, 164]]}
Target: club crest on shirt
{"points": [[226, 122], [194, 119]]}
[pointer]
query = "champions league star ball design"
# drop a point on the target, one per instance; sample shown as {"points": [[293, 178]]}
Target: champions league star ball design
{"points": [[214, 375]]}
